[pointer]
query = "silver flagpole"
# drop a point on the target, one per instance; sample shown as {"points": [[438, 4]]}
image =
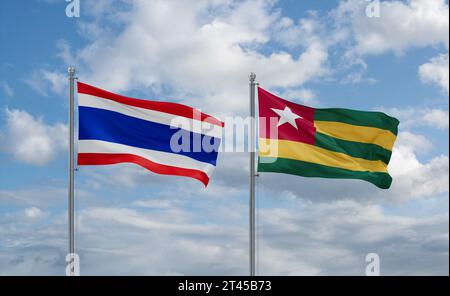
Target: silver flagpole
{"points": [[252, 78], [71, 72]]}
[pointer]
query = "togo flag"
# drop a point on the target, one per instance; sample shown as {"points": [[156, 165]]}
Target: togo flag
{"points": [[165, 138], [327, 143]]}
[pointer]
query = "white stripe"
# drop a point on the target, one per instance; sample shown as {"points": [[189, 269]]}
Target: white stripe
{"points": [[175, 121], [164, 158]]}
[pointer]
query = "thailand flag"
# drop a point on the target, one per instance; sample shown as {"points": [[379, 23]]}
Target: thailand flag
{"points": [[165, 138]]}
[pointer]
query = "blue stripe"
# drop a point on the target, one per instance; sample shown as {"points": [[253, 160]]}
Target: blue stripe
{"points": [[110, 126]]}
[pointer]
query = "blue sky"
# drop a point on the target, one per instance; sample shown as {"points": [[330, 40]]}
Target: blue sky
{"points": [[320, 53]]}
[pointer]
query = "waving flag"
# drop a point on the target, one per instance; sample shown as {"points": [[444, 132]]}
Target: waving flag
{"points": [[165, 138], [328, 143]]}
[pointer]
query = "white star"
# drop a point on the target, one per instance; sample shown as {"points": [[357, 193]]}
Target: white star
{"points": [[286, 116]]}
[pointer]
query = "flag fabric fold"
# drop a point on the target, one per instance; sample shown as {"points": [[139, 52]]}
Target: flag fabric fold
{"points": [[327, 143], [165, 138]]}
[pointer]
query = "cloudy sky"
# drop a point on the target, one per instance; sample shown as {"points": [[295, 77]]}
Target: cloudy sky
{"points": [[320, 53]]}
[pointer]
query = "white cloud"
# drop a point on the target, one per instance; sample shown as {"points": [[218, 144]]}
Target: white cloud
{"points": [[205, 55], [414, 142], [437, 118], [301, 238], [31, 215], [64, 53], [44, 82], [4, 86], [412, 117], [30, 140], [33, 197], [357, 77], [135, 219], [153, 203], [401, 25], [412, 178], [301, 95], [34, 214], [334, 237], [436, 72], [125, 175], [303, 33]]}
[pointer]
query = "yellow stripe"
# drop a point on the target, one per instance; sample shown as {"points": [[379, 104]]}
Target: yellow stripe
{"points": [[357, 133], [309, 153]]}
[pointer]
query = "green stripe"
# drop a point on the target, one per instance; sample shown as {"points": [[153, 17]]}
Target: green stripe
{"points": [[307, 169], [362, 118], [355, 149]]}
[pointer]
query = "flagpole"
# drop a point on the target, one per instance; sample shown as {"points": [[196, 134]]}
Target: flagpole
{"points": [[71, 73], [252, 78]]}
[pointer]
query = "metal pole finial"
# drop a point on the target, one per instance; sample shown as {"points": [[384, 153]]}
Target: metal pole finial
{"points": [[252, 76]]}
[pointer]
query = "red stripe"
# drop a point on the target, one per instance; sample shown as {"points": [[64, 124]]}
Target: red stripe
{"points": [[306, 131], [106, 159], [166, 107]]}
